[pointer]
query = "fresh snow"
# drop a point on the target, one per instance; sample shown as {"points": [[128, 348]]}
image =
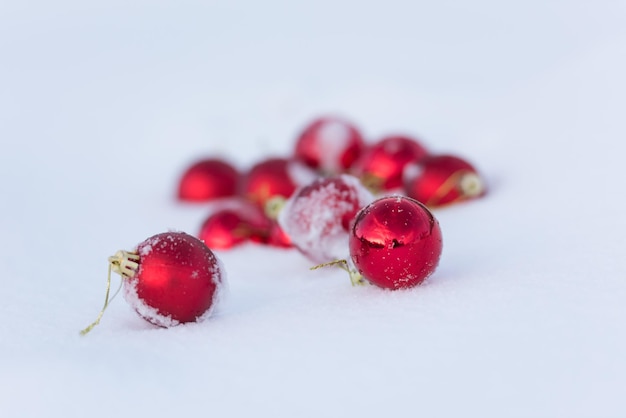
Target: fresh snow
{"points": [[103, 105]]}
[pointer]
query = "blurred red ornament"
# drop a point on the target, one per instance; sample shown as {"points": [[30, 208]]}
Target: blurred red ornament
{"points": [[330, 145], [276, 236], [225, 229], [238, 221], [381, 165], [318, 216], [441, 180], [395, 242], [271, 178], [207, 180]]}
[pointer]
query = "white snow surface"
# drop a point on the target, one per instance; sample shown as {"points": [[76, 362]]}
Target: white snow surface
{"points": [[103, 104]]}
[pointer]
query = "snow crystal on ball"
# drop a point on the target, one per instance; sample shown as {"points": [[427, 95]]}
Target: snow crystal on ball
{"points": [[317, 217], [156, 242], [221, 288], [146, 311]]}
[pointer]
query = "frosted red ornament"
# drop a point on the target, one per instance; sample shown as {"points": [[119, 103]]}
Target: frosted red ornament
{"points": [[207, 180], [442, 180], [330, 145], [395, 242], [381, 165], [318, 216], [274, 177], [177, 280], [169, 279]]}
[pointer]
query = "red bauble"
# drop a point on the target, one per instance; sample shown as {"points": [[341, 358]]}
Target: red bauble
{"points": [[171, 278], [330, 145], [276, 236], [224, 229], [238, 221], [443, 179], [395, 242], [381, 165], [272, 178], [207, 180], [318, 217], [234, 223]]}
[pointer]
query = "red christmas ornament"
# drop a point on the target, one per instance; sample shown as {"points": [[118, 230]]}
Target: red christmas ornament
{"points": [[381, 165], [318, 217], [207, 180], [395, 242], [441, 180], [171, 278], [330, 145], [234, 223], [238, 221], [224, 229], [276, 236], [273, 177]]}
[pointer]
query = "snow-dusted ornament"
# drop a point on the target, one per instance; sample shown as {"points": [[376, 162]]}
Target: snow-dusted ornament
{"points": [[318, 216], [170, 279], [329, 145]]}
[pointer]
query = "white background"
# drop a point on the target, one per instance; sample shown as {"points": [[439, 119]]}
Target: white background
{"points": [[103, 105]]}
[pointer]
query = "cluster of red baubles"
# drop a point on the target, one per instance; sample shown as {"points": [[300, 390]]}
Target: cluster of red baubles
{"points": [[331, 174], [338, 199]]}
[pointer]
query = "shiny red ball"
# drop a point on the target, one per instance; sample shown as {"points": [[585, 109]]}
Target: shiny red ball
{"points": [[318, 216], [443, 180], [177, 281], [381, 165], [395, 242], [207, 180], [271, 178], [330, 145]]}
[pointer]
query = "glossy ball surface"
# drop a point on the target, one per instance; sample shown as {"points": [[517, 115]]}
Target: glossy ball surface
{"points": [[381, 165], [443, 180], [178, 280], [207, 180], [395, 242], [330, 145]]}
